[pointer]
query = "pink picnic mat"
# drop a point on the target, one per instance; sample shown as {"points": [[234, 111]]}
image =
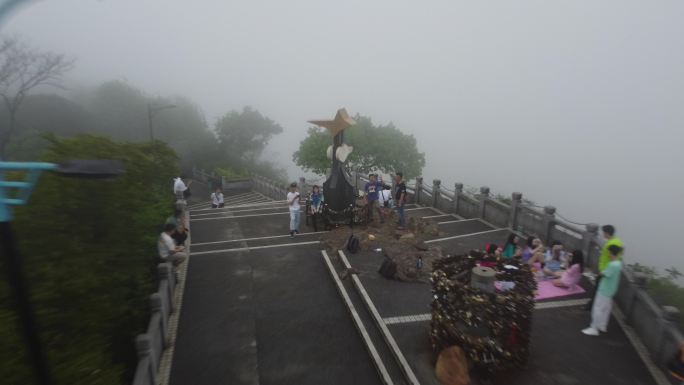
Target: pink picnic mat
{"points": [[546, 290]]}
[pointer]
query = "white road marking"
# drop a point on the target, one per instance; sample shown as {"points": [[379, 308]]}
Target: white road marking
{"points": [[240, 216], [460, 220], [539, 305], [234, 211], [380, 366], [254, 239], [270, 203], [389, 339], [256, 248], [437, 216]]}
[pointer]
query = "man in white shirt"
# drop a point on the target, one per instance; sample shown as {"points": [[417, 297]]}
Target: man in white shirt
{"points": [[179, 188], [168, 251], [293, 202]]}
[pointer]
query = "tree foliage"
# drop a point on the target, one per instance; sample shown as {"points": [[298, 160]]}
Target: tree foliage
{"points": [[243, 135], [381, 148], [22, 69], [664, 288], [90, 251]]}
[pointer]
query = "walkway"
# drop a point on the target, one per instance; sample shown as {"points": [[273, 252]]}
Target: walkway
{"points": [[261, 308]]}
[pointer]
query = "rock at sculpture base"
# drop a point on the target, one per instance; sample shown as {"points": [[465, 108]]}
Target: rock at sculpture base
{"points": [[452, 367]]}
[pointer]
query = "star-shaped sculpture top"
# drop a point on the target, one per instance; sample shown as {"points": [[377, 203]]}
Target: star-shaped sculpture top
{"points": [[337, 125]]}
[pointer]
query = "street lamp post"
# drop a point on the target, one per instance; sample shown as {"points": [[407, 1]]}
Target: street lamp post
{"points": [[17, 193], [151, 111]]}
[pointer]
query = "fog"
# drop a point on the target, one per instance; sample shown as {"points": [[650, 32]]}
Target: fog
{"points": [[576, 104]]}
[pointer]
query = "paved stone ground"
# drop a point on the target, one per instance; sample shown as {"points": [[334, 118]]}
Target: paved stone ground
{"points": [[269, 316], [273, 316]]}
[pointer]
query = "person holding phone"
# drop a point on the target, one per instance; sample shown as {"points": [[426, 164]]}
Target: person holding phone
{"points": [[293, 202]]}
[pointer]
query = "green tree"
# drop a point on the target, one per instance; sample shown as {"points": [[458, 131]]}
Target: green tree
{"points": [[381, 148], [244, 135], [90, 251]]}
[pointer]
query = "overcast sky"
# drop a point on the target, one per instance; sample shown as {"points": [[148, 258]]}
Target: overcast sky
{"points": [[579, 104]]}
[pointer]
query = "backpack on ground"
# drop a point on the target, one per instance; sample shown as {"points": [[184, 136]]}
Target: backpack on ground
{"points": [[388, 269], [353, 244]]}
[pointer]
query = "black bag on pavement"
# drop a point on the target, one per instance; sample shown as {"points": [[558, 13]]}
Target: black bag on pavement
{"points": [[388, 268], [353, 244]]}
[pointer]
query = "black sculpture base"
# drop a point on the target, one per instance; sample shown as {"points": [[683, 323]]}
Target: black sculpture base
{"points": [[338, 190]]}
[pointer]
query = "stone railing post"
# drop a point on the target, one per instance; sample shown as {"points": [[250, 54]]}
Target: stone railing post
{"points": [[588, 238], [484, 195], [549, 218], [458, 191], [419, 189], [158, 307], [516, 200], [165, 273], [436, 192], [143, 345], [640, 279]]}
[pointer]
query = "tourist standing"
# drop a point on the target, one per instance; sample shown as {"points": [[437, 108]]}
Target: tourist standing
{"points": [[603, 301], [604, 258], [372, 190], [400, 198], [316, 200], [293, 203], [180, 189]]}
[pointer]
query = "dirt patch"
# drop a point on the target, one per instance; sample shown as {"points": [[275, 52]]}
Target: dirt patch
{"points": [[405, 247]]}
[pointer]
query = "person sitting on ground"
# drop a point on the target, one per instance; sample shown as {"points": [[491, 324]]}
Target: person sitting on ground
{"points": [[571, 277], [535, 250], [372, 190], [511, 249], [555, 259], [168, 250], [528, 251], [316, 199], [217, 199], [491, 256]]}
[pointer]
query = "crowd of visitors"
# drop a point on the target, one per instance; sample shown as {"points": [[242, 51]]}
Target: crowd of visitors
{"points": [[565, 269]]}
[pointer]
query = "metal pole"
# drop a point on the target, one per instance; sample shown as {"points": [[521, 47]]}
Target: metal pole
{"points": [[15, 276]]}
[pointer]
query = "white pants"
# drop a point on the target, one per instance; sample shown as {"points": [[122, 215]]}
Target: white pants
{"points": [[600, 312]]}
